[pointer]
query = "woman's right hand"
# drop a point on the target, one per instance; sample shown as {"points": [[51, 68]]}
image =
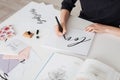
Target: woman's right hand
{"points": [[58, 32], [64, 15]]}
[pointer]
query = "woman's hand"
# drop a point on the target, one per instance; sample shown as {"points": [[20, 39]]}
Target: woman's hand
{"points": [[64, 15], [100, 28], [57, 29]]}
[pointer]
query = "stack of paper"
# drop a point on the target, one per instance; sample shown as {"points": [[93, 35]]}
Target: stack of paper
{"points": [[24, 64], [35, 16], [41, 17]]}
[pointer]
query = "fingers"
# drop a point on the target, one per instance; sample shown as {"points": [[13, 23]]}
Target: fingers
{"points": [[99, 28], [58, 32], [94, 28], [90, 28]]}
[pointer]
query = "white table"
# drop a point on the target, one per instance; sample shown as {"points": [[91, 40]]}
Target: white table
{"points": [[106, 48]]}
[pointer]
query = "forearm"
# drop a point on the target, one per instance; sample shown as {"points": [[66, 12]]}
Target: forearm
{"points": [[64, 15], [113, 30]]}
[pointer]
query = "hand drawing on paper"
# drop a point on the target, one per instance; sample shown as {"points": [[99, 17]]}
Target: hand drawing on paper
{"points": [[76, 40], [37, 16]]}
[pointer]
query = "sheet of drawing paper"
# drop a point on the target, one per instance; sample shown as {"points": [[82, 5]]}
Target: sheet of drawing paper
{"points": [[20, 20], [59, 69], [28, 69], [51, 16], [23, 66], [48, 13], [8, 63], [52, 13], [27, 19], [13, 46], [5, 50], [30, 16], [77, 41]]}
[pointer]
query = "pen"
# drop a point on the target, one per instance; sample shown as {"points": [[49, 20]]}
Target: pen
{"points": [[60, 27]]}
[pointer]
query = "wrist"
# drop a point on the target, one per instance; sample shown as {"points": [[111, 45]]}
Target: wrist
{"points": [[63, 23]]}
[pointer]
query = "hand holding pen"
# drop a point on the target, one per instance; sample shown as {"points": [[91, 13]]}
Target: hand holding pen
{"points": [[60, 28]]}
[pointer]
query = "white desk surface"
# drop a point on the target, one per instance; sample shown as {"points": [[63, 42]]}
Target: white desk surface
{"points": [[105, 48]]}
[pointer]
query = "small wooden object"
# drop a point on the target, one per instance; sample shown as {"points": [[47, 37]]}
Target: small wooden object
{"points": [[28, 34]]}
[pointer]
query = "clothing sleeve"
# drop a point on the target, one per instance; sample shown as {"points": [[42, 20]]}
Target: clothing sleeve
{"points": [[68, 4]]}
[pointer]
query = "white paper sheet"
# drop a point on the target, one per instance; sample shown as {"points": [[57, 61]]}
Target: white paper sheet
{"points": [[28, 69], [72, 44]]}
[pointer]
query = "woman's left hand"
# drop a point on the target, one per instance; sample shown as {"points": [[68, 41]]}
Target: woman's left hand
{"points": [[99, 28]]}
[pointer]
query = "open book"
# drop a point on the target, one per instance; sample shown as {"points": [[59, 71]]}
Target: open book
{"points": [[65, 67]]}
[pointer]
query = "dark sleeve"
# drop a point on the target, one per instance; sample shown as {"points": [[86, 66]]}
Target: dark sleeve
{"points": [[68, 4]]}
